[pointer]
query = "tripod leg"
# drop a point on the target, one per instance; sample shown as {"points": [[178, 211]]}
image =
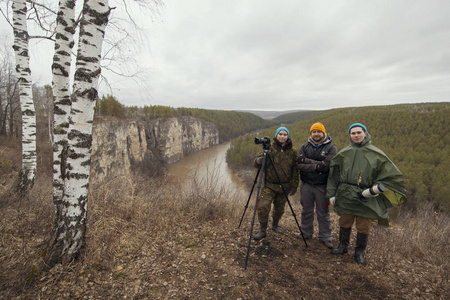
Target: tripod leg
{"points": [[287, 198], [296, 221], [258, 194], [249, 196]]}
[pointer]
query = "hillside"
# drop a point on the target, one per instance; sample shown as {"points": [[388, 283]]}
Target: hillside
{"points": [[153, 239]]}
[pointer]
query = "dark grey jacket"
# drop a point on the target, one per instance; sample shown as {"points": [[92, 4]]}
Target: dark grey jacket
{"points": [[316, 154]]}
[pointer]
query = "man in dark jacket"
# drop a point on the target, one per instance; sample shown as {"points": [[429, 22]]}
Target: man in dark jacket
{"points": [[353, 171], [313, 160], [284, 156]]}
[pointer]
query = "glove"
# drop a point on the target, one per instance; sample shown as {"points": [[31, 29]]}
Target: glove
{"points": [[320, 167], [301, 159], [292, 191], [331, 202], [259, 160], [361, 197]]}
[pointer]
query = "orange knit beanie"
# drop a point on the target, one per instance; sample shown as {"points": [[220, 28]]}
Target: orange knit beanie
{"points": [[317, 126]]}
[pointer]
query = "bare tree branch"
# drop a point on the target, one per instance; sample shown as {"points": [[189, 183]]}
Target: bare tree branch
{"points": [[42, 37], [6, 17], [34, 3]]}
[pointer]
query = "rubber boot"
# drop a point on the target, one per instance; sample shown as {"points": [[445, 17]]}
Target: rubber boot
{"points": [[275, 226], [262, 231], [361, 244], [344, 239]]}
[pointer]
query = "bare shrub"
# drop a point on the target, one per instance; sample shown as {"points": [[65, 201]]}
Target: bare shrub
{"points": [[207, 197], [125, 213], [117, 218], [419, 235], [25, 222], [10, 162], [424, 230]]}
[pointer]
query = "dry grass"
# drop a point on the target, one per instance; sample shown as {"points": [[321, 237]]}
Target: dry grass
{"points": [[153, 238], [418, 243]]}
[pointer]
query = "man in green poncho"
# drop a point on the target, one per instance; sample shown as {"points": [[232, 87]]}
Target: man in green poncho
{"points": [[355, 173]]}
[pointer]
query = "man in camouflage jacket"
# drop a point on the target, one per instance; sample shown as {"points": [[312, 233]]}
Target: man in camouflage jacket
{"points": [[284, 157]]}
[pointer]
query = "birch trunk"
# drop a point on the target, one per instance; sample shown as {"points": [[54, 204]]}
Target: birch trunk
{"points": [[74, 201], [28, 172], [62, 60]]}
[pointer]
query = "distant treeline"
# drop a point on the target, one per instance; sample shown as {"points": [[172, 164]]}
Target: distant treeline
{"points": [[297, 116], [414, 136], [230, 124]]}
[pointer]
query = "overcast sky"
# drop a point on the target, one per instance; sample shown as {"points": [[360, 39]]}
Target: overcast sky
{"points": [[293, 54]]}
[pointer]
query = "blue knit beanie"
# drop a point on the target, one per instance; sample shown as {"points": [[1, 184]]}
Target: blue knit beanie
{"points": [[282, 128], [357, 125]]}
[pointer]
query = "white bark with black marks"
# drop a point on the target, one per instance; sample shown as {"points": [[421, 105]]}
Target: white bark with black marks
{"points": [[61, 87], [21, 37], [62, 61], [76, 175]]}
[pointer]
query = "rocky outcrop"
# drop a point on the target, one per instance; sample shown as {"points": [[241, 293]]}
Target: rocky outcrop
{"points": [[120, 146]]}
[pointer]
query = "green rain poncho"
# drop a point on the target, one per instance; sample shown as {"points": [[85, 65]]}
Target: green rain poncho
{"points": [[358, 167]]}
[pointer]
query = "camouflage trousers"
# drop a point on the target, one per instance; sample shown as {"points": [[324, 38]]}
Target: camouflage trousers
{"points": [[269, 196]]}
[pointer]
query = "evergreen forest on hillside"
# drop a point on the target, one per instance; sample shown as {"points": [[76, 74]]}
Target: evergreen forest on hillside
{"points": [[230, 124], [414, 136]]}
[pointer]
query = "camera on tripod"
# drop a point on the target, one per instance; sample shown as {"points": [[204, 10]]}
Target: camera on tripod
{"points": [[264, 140]]}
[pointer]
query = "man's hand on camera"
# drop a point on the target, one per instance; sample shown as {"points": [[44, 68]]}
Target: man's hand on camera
{"points": [[292, 191], [361, 197], [259, 160], [301, 159]]}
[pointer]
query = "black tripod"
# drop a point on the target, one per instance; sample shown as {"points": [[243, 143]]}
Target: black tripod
{"points": [[262, 170]]}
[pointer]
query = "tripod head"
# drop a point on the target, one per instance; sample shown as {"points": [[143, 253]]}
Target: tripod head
{"points": [[265, 141]]}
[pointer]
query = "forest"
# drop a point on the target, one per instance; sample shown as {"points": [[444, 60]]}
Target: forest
{"points": [[414, 136]]}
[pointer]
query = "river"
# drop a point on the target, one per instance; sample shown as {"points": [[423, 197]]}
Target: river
{"points": [[208, 164]]}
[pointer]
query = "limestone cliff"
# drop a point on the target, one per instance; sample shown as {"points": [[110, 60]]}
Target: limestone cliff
{"points": [[120, 146]]}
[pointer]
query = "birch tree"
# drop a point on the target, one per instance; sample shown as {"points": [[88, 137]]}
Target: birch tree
{"points": [[68, 238], [74, 120], [21, 38], [62, 60]]}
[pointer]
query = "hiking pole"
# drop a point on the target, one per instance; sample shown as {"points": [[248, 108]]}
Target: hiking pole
{"points": [[258, 194], [249, 196], [287, 198]]}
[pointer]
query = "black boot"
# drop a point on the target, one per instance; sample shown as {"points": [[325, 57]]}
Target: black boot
{"points": [[262, 231], [275, 226], [344, 239], [361, 244]]}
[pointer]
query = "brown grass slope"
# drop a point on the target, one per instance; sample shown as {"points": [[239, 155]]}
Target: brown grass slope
{"points": [[153, 239]]}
